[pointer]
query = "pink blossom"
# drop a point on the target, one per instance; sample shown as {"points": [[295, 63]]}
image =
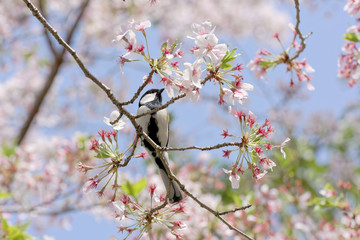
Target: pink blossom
{"points": [[283, 144], [131, 44], [142, 25], [119, 208], [233, 177], [90, 184], [225, 133], [209, 47], [328, 192], [260, 175], [266, 163], [141, 155], [203, 28], [254, 65], [250, 119], [192, 74], [94, 145], [352, 7], [152, 188], [179, 225], [238, 94], [226, 153]]}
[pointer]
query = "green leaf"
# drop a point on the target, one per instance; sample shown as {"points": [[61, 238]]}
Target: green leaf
{"points": [[173, 45], [5, 225], [328, 186], [81, 143], [353, 37], [134, 189], [226, 66], [164, 45], [8, 150], [102, 155], [5, 195], [229, 56], [14, 232], [267, 64]]}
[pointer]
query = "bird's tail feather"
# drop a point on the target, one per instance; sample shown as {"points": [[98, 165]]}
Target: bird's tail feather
{"points": [[172, 187]]}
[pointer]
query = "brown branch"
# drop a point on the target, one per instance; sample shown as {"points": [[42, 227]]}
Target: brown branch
{"points": [[297, 29], [136, 95], [58, 60], [209, 209], [79, 62], [128, 158], [217, 146], [139, 132], [171, 101], [201, 204], [47, 35], [235, 210]]}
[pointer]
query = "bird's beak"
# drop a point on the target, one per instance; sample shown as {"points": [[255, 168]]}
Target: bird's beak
{"points": [[161, 90]]}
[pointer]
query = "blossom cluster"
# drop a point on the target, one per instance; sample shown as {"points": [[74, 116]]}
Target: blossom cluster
{"points": [[251, 148], [107, 148], [349, 60], [352, 7], [127, 208], [213, 62], [266, 60]]}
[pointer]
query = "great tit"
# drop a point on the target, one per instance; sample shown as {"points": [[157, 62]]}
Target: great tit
{"points": [[156, 126]]}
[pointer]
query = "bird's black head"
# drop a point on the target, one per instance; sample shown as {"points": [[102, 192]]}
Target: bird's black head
{"points": [[152, 95]]}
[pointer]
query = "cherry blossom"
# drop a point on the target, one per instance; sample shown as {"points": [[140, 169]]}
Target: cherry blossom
{"points": [[114, 115], [119, 208], [283, 144], [233, 177], [265, 60], [192, 74], [266, 163], [209, 47], [142, 25], [352, 7]]}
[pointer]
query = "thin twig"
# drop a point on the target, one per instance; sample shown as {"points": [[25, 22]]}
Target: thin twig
{"points": [[217, 146], [209, 209], [201, 204], [173, 99], [128, 158], [139, 132], [297, 29], [235, 210], [47, 35], [136, 95]]}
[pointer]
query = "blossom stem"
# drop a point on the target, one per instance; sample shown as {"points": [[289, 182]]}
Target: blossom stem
{"points": [[147, 45]]}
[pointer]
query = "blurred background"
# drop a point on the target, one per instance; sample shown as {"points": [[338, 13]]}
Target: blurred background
{"points": [[49, 111]]}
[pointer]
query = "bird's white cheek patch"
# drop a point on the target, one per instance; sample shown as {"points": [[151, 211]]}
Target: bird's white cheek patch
{"points": [[148, 98]]}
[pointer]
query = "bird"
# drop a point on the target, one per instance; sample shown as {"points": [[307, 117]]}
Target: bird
{"points": [[156, 126]]}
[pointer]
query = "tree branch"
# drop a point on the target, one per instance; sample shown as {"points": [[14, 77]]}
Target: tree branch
{"points": [[217, 146], [201, 204], [139, 132], [47, 35], [136, 95], [235, 210], [173, 99], [297, 29]]}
